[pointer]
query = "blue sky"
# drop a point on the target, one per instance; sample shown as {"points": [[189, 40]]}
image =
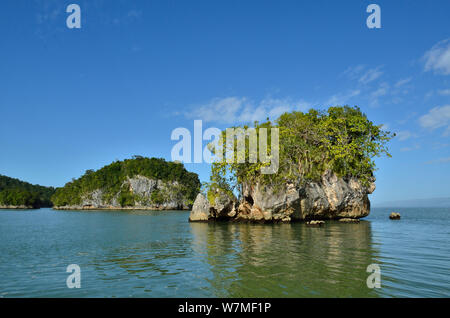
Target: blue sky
{"points": [[77, 99]]}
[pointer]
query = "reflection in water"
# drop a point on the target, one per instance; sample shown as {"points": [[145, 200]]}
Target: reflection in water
{"points": [[286, 260], [144, 262], [152, 254]]}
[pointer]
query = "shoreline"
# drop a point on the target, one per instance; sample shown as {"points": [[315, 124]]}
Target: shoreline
{"points": [[112, 208], [17, 207]]}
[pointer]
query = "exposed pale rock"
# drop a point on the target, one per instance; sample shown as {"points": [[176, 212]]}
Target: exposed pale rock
{"points": [[200, 210], [142, 188], [223, 205], [315, 222], [330, 198], [17, 207], [349, 220], [256, 214], [394, 216]]}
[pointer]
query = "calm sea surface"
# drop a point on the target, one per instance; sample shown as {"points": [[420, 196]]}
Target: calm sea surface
{"points": [[161, 254]]}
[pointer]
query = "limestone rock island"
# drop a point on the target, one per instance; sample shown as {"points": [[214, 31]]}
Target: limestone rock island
{"points": [[325, 171], [139, 183]]}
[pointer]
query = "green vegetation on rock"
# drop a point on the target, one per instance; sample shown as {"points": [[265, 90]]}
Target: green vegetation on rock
{"points": [[14, 192], [340, 139], [111, 178]]}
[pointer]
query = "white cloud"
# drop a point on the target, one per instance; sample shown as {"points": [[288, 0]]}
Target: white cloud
{"points": [[404, 135], [235, 110], [370, 75], [48, 11], [437, 59], [444, 91], [134, 14], [404, 149], [239, 110], [381, 91], [440, 160], [224, 110], [342, 99], [436, 118], [403, 82], [48, 15], [446, 132], [440, 145], [354, 72], [363, 74], [407, 118], [429, 94]]}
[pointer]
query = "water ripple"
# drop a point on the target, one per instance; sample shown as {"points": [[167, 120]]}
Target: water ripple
{"points": [[160, 254]]}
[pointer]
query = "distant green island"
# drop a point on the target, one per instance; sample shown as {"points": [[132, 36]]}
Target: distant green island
{"points": [[17, 194], [137, 183]]}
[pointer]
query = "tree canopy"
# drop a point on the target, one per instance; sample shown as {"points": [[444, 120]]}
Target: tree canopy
{"points": [[14, 192], [341, 139], [111, 179]]}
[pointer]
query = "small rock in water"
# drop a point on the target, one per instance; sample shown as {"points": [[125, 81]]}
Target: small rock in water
{"points": [[315, 222], [394, 216], [349, 220]]}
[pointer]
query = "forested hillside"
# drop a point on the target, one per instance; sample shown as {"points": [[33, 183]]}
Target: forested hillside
{"points": [[14, 192], [111, 180]]}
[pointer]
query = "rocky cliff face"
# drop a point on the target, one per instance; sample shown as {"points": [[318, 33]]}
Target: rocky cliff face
{"points": [[330, 198], [146, 194]]}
